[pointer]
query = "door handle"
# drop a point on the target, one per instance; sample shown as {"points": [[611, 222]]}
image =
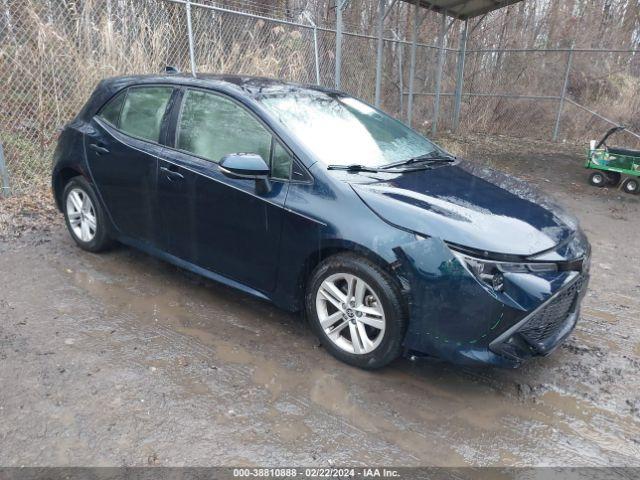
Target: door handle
{"points": [[98, 148], [172, 174]]}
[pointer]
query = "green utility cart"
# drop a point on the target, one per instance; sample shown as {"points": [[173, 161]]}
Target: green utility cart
{"points": [[610, 164]]}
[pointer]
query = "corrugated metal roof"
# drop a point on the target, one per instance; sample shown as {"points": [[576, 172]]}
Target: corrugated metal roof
{"points": [[463, 9]]}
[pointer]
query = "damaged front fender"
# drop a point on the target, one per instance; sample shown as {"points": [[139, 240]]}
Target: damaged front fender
{"points": [[454, 316]]}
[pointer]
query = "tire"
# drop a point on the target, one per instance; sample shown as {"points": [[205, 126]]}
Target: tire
{"points": [[597, 179], [84, 216], [613, 178], [378, 313], [631, 186]]}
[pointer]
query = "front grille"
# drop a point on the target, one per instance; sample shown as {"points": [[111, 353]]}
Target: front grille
{"points": [[549, 319]]}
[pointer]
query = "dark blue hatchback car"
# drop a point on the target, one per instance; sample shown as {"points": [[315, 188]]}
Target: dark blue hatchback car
{"points": [[316, 201]]}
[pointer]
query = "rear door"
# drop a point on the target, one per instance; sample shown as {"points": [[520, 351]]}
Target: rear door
{"points": [[122, 150], [222, 224]]}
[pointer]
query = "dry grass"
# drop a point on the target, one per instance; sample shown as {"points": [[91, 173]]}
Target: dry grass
{"points": [[52, 53]]}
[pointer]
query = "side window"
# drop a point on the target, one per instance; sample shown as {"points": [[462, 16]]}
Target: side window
{"points": [[111, 111], [299, 174], [143, 110], [281, 162], [211, 127]]}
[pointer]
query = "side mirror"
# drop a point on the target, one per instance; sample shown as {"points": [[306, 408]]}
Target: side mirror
{"points": [[250, 166], [244, 165]]}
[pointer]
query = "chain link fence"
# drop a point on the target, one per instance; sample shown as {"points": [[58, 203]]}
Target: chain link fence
{"points": [[52, 53]]}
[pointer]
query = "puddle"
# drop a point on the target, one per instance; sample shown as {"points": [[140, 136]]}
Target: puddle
{"points": [[608, 317], [432, 412]]}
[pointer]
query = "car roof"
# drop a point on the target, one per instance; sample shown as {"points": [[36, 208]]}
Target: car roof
{"points": [[240, 84], [249, 85]]}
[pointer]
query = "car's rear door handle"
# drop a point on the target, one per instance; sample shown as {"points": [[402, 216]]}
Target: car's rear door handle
{"points": [[98, 148], [172, 174]]}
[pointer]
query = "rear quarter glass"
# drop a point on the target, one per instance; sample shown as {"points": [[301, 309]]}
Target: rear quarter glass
{"points": [[143, 110], [111, 111]]}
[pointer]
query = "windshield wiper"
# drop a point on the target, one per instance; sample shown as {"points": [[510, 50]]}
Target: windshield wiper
{"points": [[429, 158], [353, 168]]}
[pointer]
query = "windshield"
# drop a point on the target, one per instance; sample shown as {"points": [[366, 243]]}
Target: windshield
{"points": [[342, 130]]}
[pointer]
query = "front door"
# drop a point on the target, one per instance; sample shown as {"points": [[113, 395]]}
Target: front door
{"points": [[122, 151], [222, 224]]}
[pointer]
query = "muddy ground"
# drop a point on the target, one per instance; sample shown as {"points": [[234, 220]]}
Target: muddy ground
{"points": [[121, 359]]}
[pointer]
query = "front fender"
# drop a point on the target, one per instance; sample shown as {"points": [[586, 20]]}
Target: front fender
{"points": [[454, 316]]}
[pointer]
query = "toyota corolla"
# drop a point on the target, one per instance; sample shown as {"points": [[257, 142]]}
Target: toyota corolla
{"points": [[320, 203]]}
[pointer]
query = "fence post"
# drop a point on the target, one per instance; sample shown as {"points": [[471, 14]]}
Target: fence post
{"points": [[381, 16], [462, 53], [192, 55], [4, 174], [412, 67], [316, 54], [441, 58], [556, 130], [340, 4], [400, 76]]}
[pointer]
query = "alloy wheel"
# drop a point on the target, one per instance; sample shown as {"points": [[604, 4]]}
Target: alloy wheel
{"points": [[350, 313], [82, 215]]}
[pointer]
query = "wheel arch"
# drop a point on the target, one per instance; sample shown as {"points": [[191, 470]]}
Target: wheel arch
{"points": [[334, 248], [60, 180]]}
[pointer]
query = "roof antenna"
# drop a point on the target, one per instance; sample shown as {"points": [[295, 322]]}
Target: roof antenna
{"points": [[171, 70]]}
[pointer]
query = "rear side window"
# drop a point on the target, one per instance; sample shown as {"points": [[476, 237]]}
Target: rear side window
{"points": [[142, 112], [211, 127], [111, 111]]}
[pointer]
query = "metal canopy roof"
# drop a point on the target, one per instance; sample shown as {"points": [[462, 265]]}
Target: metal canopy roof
{"points": [[463, 9]]}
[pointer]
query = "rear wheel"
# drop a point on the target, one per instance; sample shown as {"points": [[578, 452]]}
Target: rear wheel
{"points": [[356, 310], [631, 185], [613, 178], [84, 216], [597, 179]]}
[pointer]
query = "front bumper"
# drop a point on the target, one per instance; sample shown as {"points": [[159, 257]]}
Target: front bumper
{"points": [[455, 317], [544, 329]]}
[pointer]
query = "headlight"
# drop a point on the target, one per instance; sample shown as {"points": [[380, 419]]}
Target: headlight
{"points": [[491, 273]]}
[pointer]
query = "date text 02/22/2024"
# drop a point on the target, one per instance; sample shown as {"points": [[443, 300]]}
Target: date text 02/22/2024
{"points": [[317, 472]]}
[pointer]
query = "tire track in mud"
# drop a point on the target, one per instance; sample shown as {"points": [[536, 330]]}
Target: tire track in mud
{"points": [[225, 376], [231, 374], [245, 373], [207, 349]]}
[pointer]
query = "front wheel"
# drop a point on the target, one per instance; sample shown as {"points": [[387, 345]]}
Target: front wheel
{"points": [[84, 216], [597, 179], [356, 310]]}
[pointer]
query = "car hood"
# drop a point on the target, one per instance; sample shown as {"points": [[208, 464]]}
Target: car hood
{"points": [[468, 205]]}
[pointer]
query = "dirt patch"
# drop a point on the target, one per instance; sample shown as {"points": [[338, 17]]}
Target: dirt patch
{"points": [[554, 167], [29, 213]]}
